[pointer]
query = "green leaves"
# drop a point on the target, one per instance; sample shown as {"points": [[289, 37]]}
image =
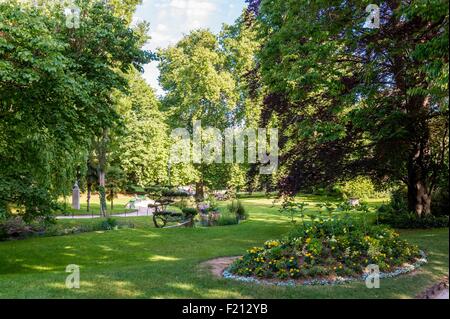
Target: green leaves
{"points": [[197, 82], [350, 100], [55, 93], [142, 147]]}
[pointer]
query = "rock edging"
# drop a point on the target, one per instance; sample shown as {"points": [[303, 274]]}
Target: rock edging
{"points": [[339, 280]]}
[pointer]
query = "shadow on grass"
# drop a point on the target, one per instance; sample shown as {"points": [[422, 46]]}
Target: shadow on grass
{"points": [[164, 263]]}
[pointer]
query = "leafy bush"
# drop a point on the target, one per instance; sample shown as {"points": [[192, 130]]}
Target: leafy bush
{"points": [[158, 191], [213, 205], [360, 187], [440, 204], [184, 203], [175, 193], [412, 221], [293, 209], [237, 208], [327, 248], [189, 212], [226, 219], [109, 224], [134, 189], [396, 214], [14, 227]]}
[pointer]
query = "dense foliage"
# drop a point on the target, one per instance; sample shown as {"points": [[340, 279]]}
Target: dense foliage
{"points": [[16, 228], [351, 100], [55, 93], [204, 79], [396, 213], [359, 187], [237, 208]]}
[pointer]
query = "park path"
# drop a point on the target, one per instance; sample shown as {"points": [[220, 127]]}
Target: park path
{"points": [[442, 295], [437, 291], [137, 213]]}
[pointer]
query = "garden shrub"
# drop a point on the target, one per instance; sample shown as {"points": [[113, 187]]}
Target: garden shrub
{"points": [[409, 220], [213, 205], [440, 204], [226, 219], [360, 187], [16, 228], [237, 208], [109, 224], [326, 249], [397, 215], [189, 212], [183, 203]]}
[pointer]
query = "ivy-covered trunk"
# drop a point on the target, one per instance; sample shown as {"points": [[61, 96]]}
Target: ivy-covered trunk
{"points": [[102, 149], [102, 192], [88, 197]]}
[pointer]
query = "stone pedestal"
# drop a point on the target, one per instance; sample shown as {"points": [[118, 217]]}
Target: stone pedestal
{"points": [[76, 197]]}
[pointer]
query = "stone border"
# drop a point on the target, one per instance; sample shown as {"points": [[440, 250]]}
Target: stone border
{"points": [[326, 282]]}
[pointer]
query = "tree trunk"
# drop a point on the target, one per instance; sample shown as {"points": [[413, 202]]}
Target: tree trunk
{"points": [[102, 148], [112, 201], [88, 197], [199, 192], [419, 197], [419, 192], [102, 192]]}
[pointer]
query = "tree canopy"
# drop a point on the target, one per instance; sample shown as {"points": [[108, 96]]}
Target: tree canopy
{"points": [[352, 100], [55, 92]]}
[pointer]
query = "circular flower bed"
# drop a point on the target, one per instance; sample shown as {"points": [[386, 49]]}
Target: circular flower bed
{"points": [[328, 252]]}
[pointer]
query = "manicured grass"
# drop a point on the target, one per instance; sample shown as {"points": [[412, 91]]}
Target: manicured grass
{"points": [[118, 207], [146, 262]]}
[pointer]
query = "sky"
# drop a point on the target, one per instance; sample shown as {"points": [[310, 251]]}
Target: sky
{"points": [[171, 19]]}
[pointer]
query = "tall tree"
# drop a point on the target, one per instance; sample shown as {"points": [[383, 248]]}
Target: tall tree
{"points": [[91, 177], [354, 100], [199, 87], [55, 93], [142, 146]]}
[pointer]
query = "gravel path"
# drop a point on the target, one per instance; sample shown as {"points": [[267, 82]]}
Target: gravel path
{"points": [[131, 214], [442, 295], [437, 291]]}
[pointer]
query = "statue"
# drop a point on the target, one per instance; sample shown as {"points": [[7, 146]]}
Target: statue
{"points": [[76, 197]]}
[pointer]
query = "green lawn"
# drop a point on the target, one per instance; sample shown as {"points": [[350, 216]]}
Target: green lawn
{"points": [[118, 205], [145, 262]]}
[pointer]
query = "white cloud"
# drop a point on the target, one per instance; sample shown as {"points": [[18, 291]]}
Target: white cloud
{"points": [[151, 74]]}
